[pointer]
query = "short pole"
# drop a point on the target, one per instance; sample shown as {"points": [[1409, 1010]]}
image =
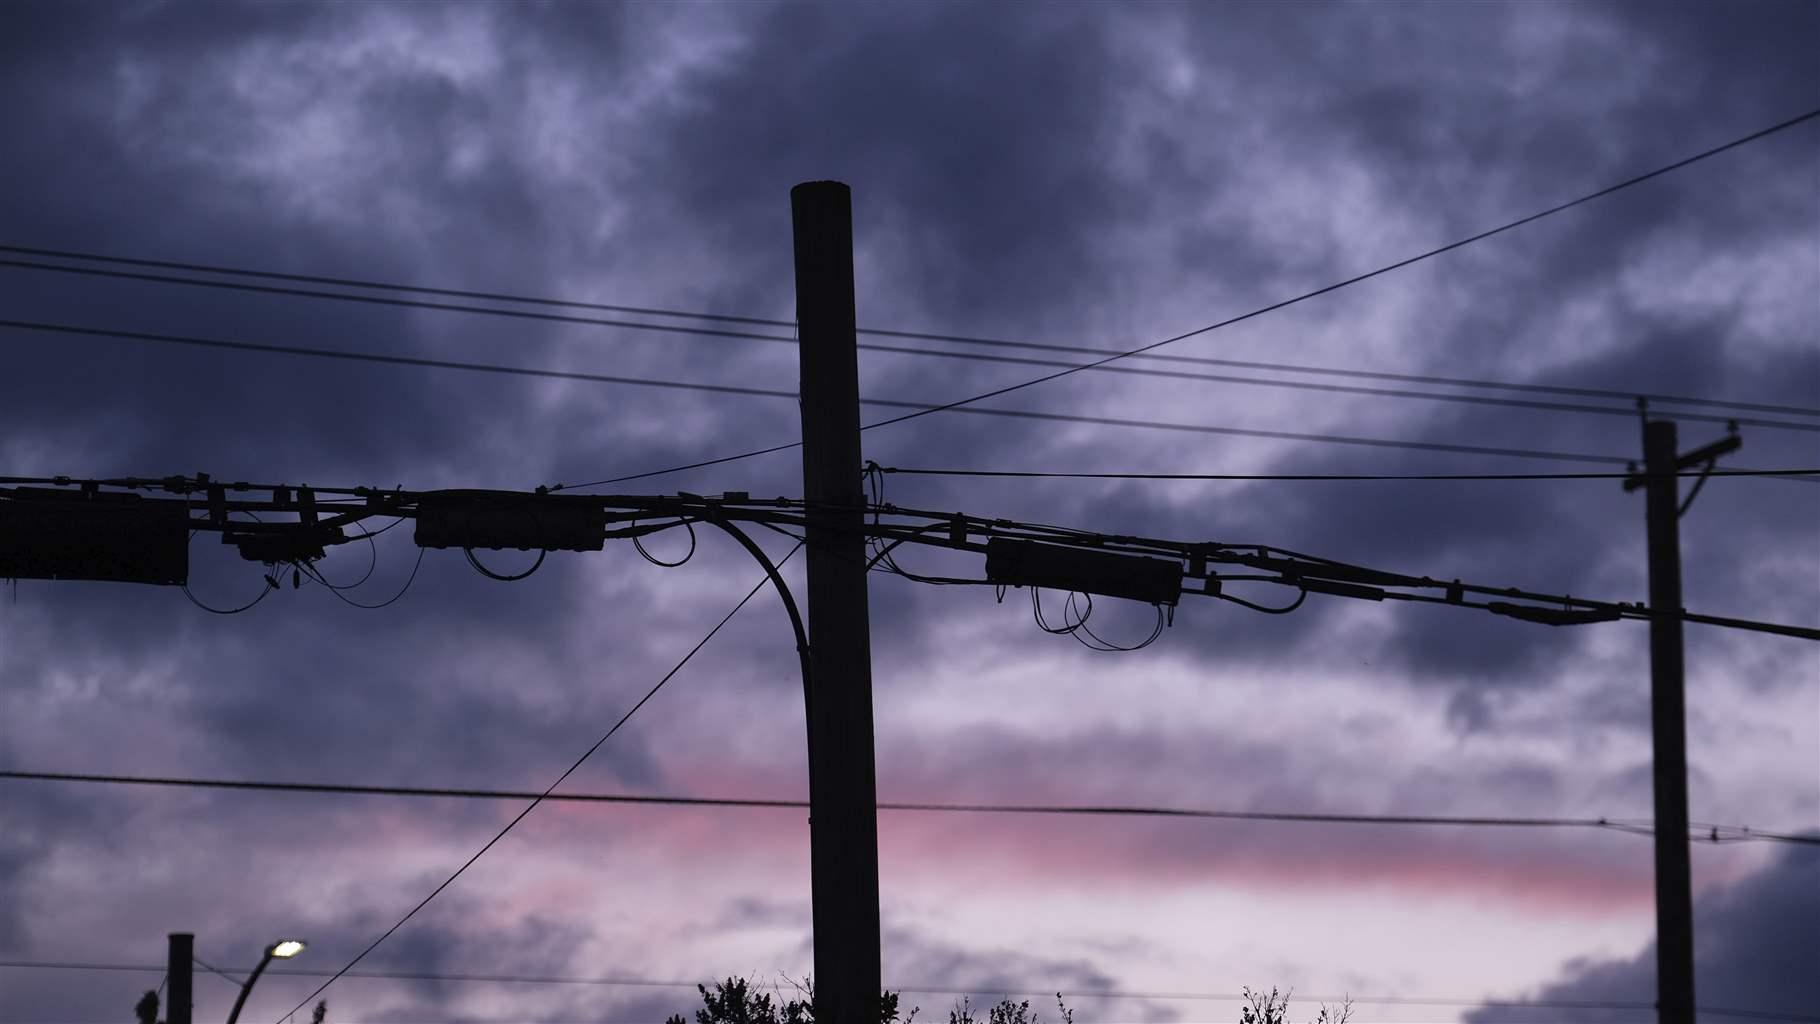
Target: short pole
{"points": [[182, 950]]}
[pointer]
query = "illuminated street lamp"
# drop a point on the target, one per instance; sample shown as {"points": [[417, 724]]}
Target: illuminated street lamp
{"points": [[283, 949]]}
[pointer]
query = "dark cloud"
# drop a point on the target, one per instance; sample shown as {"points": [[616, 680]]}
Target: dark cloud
{"points": [[933, 972], [1086, 175], [1751, 950], [946, 972]]}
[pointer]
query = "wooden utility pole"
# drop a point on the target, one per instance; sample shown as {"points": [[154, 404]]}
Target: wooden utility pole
{"points": [[1668, 722], [843, 816], [1668, 712], [181, 953]]}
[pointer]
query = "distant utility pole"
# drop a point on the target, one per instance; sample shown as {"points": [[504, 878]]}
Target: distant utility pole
{"points": [[843, 817], [182, 953], [1668, 711]]}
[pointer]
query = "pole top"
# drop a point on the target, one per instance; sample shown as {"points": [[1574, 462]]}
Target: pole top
{"points": [[821, 186]]}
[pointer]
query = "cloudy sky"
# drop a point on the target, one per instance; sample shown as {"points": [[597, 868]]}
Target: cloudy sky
{"points": [[1090, 175]]}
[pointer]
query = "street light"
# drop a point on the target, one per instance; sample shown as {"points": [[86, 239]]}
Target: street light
{"points": [[283, 949]]}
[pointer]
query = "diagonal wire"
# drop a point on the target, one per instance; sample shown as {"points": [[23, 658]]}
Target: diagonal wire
{"points": [[919, 410], [547, 791], [216, 970], [1334, 371], [1294, 300], [1368, 275]]}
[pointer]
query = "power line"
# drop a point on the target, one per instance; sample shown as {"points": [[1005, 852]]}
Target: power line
{"points": [[1279, 566], [1033, 474], [1031, 991], [205, 965], [349, 282], [525, 979], [1309, 574], [963, 339], [446, 364], [1305, 296], [1278, 435], [1332, 371], [678, 469], [541, 797], [1718, 833], [922, 410], [394, 360], [382, 300], [1517, 403], [1627, 411]]}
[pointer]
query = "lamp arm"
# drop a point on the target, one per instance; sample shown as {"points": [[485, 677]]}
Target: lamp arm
{"points": [[248, 986]]}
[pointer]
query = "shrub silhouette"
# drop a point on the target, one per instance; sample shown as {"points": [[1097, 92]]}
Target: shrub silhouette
{"points": [[736, 1001], [1274, 1009]]}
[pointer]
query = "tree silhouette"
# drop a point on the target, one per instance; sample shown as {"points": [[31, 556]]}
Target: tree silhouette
{"points": [[1274, 1009], [735, 1001], [1007, 1012]]}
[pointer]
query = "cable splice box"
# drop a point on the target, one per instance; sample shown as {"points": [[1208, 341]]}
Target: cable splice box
{"points": [[58, 535], [1023, 563], [499, 520]]}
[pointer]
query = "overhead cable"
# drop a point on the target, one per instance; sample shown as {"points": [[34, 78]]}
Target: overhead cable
{"points": [[1034, 474], [1616, 394], [349, 282], [475, 562], [1626, 411], [1711, 833], [211, 609], [380, 300], [1276, 435], [446, 364], [394, 360], [1309, 573], [1368, 275], [1518, 403], [218, 972], [1267, 564], [1303, 297], [316, 574], [920, 411]]}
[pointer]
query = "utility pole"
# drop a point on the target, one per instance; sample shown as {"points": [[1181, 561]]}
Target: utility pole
{"points": [[843, 817], [182, 952], [1668, 712]]}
